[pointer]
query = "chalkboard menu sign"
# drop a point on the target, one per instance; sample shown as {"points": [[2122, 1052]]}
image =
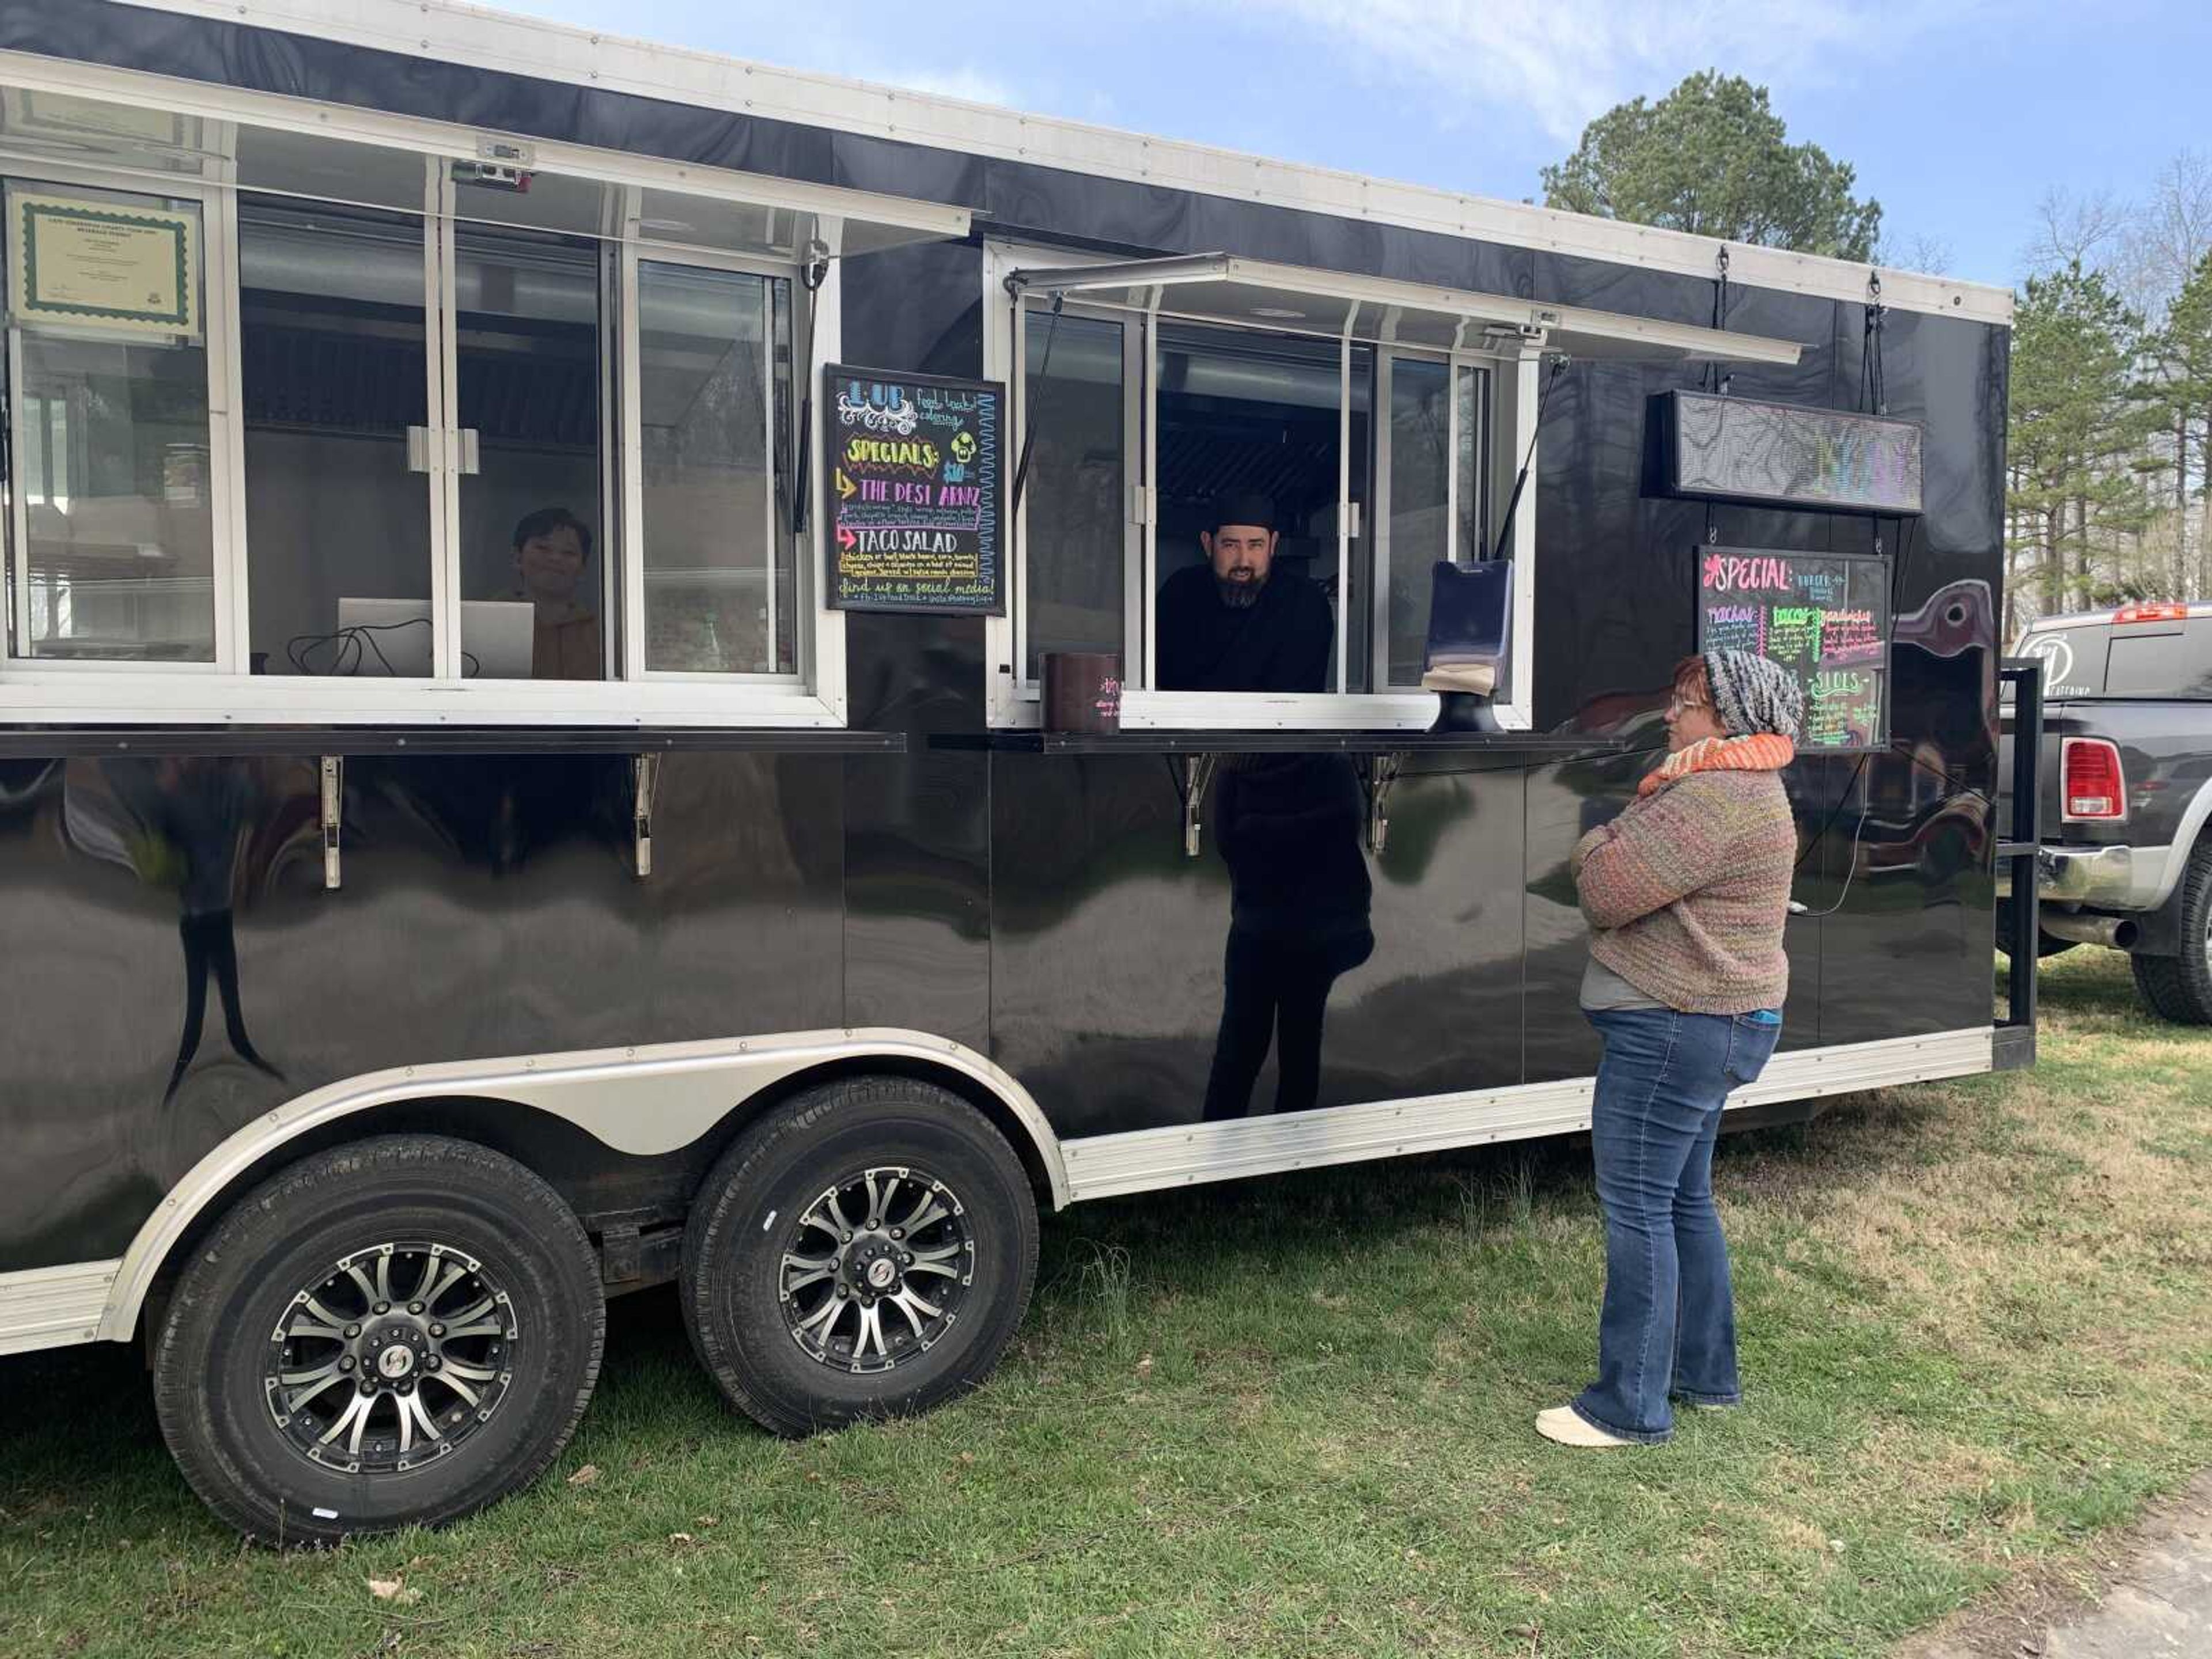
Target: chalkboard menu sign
{"points": [[914, 468], [1823, 616]]}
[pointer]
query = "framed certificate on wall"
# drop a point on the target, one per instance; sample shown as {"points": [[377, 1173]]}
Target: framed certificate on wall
{"points": [[86, 263]]}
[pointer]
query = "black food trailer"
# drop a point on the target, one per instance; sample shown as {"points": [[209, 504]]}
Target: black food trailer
{"points": [[532, 566]]}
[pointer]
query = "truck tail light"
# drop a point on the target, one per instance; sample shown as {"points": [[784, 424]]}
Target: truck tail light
{"points": [[2145, 613], [2091, 785]]}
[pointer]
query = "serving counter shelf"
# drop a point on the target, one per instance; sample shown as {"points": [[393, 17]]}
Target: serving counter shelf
{"points": [[54, 742]]}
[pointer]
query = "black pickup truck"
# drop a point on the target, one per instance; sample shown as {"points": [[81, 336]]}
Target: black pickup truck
{"points": [[2126, 820]]}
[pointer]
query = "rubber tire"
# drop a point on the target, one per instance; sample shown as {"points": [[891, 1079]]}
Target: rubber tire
{"points": [[2179, 988], [207, 1390], [733, 1250]]}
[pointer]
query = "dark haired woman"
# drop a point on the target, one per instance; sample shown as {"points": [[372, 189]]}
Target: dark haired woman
{"points": [[1686, 893]]}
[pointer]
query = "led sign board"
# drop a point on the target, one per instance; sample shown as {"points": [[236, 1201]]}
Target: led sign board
{"points": [[1736, 449]]}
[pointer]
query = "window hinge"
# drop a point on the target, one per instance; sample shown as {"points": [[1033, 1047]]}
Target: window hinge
{"points": [[333, 777], [1381, 773], [1351, 520], [645, 775], [1142, 501]]}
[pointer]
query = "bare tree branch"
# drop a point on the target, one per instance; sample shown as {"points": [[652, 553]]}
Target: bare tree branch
{"points": [[2071, 228], [2166, 237]]}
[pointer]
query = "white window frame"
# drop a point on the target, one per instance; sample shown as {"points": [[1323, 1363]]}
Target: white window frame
{"points": [[1493, 370], [1014, 701], [632, 498], [39, 691], [226, 459]]}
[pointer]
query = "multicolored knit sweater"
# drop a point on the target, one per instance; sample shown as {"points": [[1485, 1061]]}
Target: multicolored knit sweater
{"points": [[1687, 892]]}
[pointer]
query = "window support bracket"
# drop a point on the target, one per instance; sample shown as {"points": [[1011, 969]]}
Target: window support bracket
{"points": [[1382, 775], [645, 778], [333, 793], [1194, 774]]}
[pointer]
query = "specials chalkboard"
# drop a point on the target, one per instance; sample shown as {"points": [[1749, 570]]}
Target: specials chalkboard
{"points": [[1823, 616], [914, 470]]}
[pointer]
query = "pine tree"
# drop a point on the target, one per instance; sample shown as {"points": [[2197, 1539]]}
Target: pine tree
{"points": [[1713, 157], [2080, 428], [2184, 347]]}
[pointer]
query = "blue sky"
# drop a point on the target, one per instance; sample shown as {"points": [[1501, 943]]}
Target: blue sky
{"points": [[1958, 114]]}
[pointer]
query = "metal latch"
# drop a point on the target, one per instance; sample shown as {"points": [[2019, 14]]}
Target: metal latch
{"points": [[645, 777], [418, 449], [1382, 772], [1142, 501], [333, 777], [1197, 773]]}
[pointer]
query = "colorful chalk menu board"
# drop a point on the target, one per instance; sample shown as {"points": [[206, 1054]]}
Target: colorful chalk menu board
{"points": [[914, 468], [1823, 616]]}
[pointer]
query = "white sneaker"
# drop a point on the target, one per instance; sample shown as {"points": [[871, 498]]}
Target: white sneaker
{"points": [[1564, 1425]]}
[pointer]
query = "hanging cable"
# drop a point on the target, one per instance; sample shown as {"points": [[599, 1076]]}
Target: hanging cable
{"points": [[1717, 376], [1714, 377], [1874, 391]]}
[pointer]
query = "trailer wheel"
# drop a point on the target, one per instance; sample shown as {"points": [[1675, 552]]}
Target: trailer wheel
{"points": [[390, 1334], [2180, 987], [865, 1251]]}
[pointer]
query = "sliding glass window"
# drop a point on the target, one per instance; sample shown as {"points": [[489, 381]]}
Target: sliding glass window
{"points": [[717, 580], [335, 363], [1075, 495]]}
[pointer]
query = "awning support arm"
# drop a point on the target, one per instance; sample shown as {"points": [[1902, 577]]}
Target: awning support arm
{"points": [[1034, 418], [1527, 454]]}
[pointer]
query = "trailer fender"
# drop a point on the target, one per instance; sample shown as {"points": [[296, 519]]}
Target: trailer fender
{"points": [[643, 1101]]}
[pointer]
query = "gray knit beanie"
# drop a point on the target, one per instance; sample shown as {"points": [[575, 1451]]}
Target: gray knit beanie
{"points": [[1752, 693]]}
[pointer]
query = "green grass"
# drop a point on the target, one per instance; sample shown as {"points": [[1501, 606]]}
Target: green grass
{"points": [[1292, 1417]]}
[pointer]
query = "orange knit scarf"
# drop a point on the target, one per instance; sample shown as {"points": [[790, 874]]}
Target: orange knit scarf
{"points": [[1760, 751]]}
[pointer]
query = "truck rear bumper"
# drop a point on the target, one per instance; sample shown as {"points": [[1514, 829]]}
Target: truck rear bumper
{"points": [[2101, 877]]}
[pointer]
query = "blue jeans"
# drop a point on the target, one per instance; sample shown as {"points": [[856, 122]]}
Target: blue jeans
{"points": [[1668, 1328]]}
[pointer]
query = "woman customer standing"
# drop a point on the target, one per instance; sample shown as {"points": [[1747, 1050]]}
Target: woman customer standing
{"points": [[1686, 893]]}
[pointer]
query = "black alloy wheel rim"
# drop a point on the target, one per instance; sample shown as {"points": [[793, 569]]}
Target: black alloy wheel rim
{"points": [[394, 1359], [874, 1272]]}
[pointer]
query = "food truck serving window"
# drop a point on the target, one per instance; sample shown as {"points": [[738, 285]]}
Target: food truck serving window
{"points": [[311, 428], [1240, 477]]}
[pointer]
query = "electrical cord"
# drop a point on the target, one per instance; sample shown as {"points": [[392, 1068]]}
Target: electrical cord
{"points": [[1797, 907], [350, 648]]}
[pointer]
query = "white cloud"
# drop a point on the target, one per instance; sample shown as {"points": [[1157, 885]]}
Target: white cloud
{"points": [[1565, 62]]}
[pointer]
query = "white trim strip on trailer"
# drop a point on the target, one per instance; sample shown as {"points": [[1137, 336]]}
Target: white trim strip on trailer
{"points": [[888, 218], [440, 31], [1143, 1160], [54, 1307]]}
